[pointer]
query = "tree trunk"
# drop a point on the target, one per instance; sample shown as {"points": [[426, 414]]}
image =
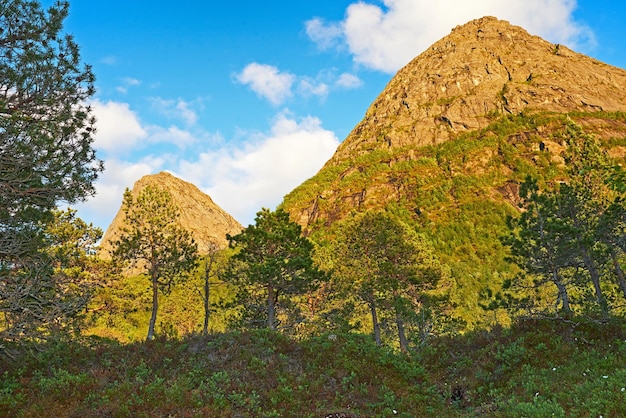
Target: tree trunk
{"points": [[207, 307], [619, 272], [404, 346], [375, 323], [271, 308], [595, 278], [155, 307], [554, 270], [563, 296]]}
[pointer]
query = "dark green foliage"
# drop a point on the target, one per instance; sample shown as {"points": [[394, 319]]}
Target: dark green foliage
{"points": [[53, 299], [388, 266], [46, 154], [272, 266], [543, 245]]}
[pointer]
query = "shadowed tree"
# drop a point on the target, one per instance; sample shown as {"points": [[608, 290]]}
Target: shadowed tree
{"points": [[542, 242], [574, 225], [46, 136], [388, 265], [54, 299], [211, 265], [586, 197], [152, 240], [612, 232]]}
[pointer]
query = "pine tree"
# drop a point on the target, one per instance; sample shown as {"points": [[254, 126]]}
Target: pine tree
{"points": [[388, 265], [541, 243], [153, 241], [46, 154], [274, 259]]}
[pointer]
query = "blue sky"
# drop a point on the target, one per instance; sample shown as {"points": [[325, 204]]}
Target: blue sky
{"points": [[247, 99]]}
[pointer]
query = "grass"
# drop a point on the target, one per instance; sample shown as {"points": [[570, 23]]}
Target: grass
{"points": [[535, 368]]}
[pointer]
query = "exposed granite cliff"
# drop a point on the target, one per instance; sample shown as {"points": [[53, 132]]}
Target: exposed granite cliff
{"points": [[206, 221]]}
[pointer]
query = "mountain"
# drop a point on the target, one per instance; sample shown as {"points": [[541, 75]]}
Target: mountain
{"points": [[482, 67], [448, 141], [482, 70], [206, 221]]}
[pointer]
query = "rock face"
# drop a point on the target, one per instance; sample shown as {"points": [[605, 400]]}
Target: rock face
{"points": [[484, 67], [199, 215], [481, 72]]}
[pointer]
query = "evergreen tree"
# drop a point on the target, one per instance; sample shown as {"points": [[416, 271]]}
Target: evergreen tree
{"points": [[541, 243], [71, 271], [585, 197], [388, 265], [153, 241], [272, 259], [211, 264], [574, 226], [611, 232], [46, 154]]}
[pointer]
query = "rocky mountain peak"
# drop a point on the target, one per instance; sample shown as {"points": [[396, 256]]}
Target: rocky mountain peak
{"points": [[205, 220], [484, 68]]}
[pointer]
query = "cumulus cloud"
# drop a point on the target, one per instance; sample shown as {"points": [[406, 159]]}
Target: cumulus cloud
{"points": [[387, 37], [118, 127], [309, 87], [241, 176], [276, 86], [176, 109], [259, 172], [325, 35], [173, 135], [267, 81], [348, 81]]}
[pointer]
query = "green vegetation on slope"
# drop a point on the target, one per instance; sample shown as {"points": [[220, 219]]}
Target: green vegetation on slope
{"points": [[458, 193]]}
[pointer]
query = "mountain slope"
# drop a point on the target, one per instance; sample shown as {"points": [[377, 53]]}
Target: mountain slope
{"points": [[450, 138], [206, 221], [483, 70]]}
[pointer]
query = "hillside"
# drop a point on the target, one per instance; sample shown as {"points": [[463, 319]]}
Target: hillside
{"points": [[447, 143], [206, 221], [535, 369]]}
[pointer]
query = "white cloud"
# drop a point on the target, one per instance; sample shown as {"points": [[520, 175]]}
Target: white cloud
{"points": [[325, 35], [276, 86], [387, 37], [267, 81], [242, 179], [118, 127], [176, 109], [127, 82], [309, 87], [348, 81], [242, 176], [171, 135]]}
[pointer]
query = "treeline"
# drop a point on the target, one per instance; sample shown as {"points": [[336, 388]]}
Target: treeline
{"points": [[373, 272]]}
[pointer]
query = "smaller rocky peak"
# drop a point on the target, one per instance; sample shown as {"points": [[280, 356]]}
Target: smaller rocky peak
{"points": [[199, 214]]}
